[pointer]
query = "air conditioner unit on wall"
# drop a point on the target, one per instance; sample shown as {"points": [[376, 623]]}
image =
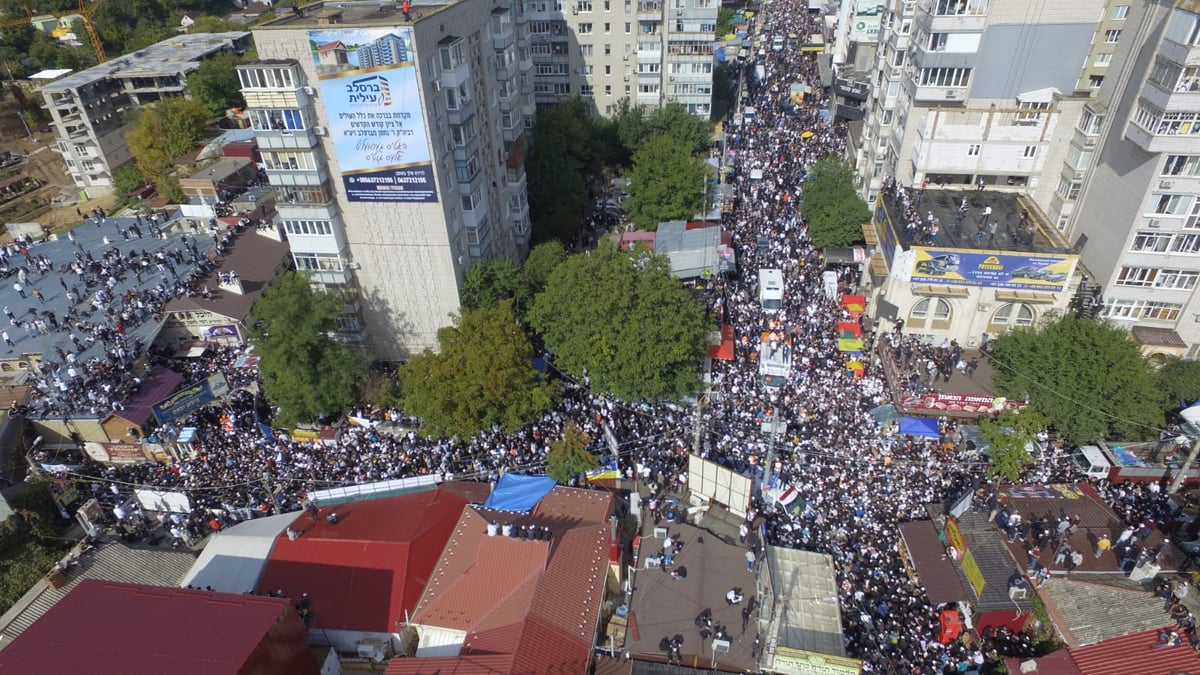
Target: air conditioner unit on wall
{"points": [[311, 91], [1165, 185], [320, 131]]}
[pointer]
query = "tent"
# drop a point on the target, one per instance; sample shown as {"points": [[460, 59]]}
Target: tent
{"points": [[849, 331], [518, 492], [850, 345], [885, 414], [919, 426], [951, 624]]}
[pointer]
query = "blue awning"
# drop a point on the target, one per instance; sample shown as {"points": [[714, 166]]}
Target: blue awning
{"points": [[919, 426], [519, 493]]}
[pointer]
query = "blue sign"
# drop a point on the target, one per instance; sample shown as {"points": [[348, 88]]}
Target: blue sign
{"points": [[965, 267], [370, 90], [190, 398]]}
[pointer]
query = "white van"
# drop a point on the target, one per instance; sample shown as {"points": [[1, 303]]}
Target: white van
{"points": [[1092, 461], [770, 290]]}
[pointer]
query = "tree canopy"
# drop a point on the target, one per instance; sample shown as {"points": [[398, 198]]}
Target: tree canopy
{"points": [[635, 126], [491, 281], [1180, 382], [557, 170], [834, 211], [569, 455], [482, 375], [622, 319], [215, 84], [160, 135], [1088, 379], [666, 183], [305, 372], [541, 263], [1008, 436]]}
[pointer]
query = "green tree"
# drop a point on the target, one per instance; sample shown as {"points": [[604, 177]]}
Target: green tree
{"points": [[1008, 437], [305, 372], [215, 84], [541, 263], [685, 129], [482, 375], [557, 168], [208, 23], [1088, 379], [491, 281], [632, 124], [161, 134], [665, 183], [569, 456], [127, 178], [835, 213], [724, 21], [623, 320], [1180, 382]]}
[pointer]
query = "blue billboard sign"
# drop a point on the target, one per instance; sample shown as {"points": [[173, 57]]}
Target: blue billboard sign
{"points": [[372, 97], [191, 397], [965, 267]]}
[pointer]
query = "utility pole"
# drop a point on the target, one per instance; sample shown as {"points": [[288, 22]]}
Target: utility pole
{"points": [[266, 481], [1191, 426], [698, 430]]}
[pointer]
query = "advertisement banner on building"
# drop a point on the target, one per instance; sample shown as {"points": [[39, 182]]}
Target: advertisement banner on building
{"points": [[115, 453], [973, 404], [191, 397], [803, 662], [964, 267], [867, 15], [371, 94], [223, 331]]}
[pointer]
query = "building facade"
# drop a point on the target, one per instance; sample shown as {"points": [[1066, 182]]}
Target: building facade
{"points": [[1137, 210], [88, 109], [396, 152], [951, 105], [653, 52]]}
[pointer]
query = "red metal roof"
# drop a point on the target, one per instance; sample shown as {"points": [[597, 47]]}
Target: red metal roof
{"points": [[1058, 663], [536, 601], [148, 629], [367, 571], [1133, 653]]}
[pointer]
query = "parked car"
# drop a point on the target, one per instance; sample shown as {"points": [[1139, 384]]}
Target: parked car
{"points": [[938, 265]]}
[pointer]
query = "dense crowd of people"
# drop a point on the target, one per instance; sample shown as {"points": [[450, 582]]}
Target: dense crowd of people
{"points": [[855, 480]]}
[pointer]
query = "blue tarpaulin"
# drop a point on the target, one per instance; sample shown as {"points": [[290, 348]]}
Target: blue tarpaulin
{"points": [[517, 492], [919, 426]]}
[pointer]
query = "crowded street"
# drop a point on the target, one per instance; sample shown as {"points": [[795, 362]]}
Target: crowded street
{"points": [[855, 479]]}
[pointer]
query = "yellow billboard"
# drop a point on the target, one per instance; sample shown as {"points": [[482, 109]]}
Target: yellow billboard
{"points": [[790, 661], [994, 269]]}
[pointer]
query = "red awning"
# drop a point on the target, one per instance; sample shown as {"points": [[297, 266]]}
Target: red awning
{"points": [[723, 351]]}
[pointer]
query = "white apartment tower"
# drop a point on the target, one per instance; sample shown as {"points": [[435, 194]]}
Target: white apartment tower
{"points": [[1137, 214], [971, 90], [652, 52], [396, 152], [89, 109]]}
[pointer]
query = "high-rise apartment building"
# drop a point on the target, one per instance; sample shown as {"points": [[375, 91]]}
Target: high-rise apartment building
{"points": [[983, 90], [1137, 210], [396, 152], [89, 109], [652, 52]]}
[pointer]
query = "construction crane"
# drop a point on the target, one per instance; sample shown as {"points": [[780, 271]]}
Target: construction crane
{"points": [[84, 12]]}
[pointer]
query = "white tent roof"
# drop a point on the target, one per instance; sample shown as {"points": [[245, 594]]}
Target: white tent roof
{"points": [[51, 74], [234, 560]]}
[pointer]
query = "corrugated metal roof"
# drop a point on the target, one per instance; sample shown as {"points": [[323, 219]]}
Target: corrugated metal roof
{"points": [[367, 571], [146, 629], [928, 555], [1135, 654], [234, 559], [1058, 663], [1095, 612], [806, 588], [113, 560]]}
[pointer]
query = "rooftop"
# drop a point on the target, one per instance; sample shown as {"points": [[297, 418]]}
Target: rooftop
{"points": [[1135, 653], [179, 53], [360, 13], [996, 564], [1007, 208], [928, 557], [367, 571], [149, 629], [534, 600], [234, 559], [255, 259], [664, 606], [1094, 612], [112, 560], [806, 586]]}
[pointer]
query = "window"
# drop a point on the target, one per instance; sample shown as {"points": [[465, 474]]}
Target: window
{"points": [[973, 150], [1176, 280], [1013, 314], [587, 91], [1150, 242], [1120, 12], [1136, 276], [607, 28], [1069, 189], [586, 49], [933, 313], [1095, 81], [585, 28], [1089, 122], [945, 77], [584, 6], [960, 8], [262, 119], [318, 227], [1102, 60], [1181, 165], [608, 49], [1030, 151], [266, 78], [289, 160], [628, 28], [608, 90], [470, 201], [1030, 111], [1185, 243], [1112, 36], [1170, 205], [318, 262], [1142, 309]]}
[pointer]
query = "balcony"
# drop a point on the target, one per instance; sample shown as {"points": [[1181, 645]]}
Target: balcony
{"points": [[285, 139], [1185, 95], [464, 111], [940, 94], [649, 11], [848, 112], [502, 28], [303, 196], [952, 16]]}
